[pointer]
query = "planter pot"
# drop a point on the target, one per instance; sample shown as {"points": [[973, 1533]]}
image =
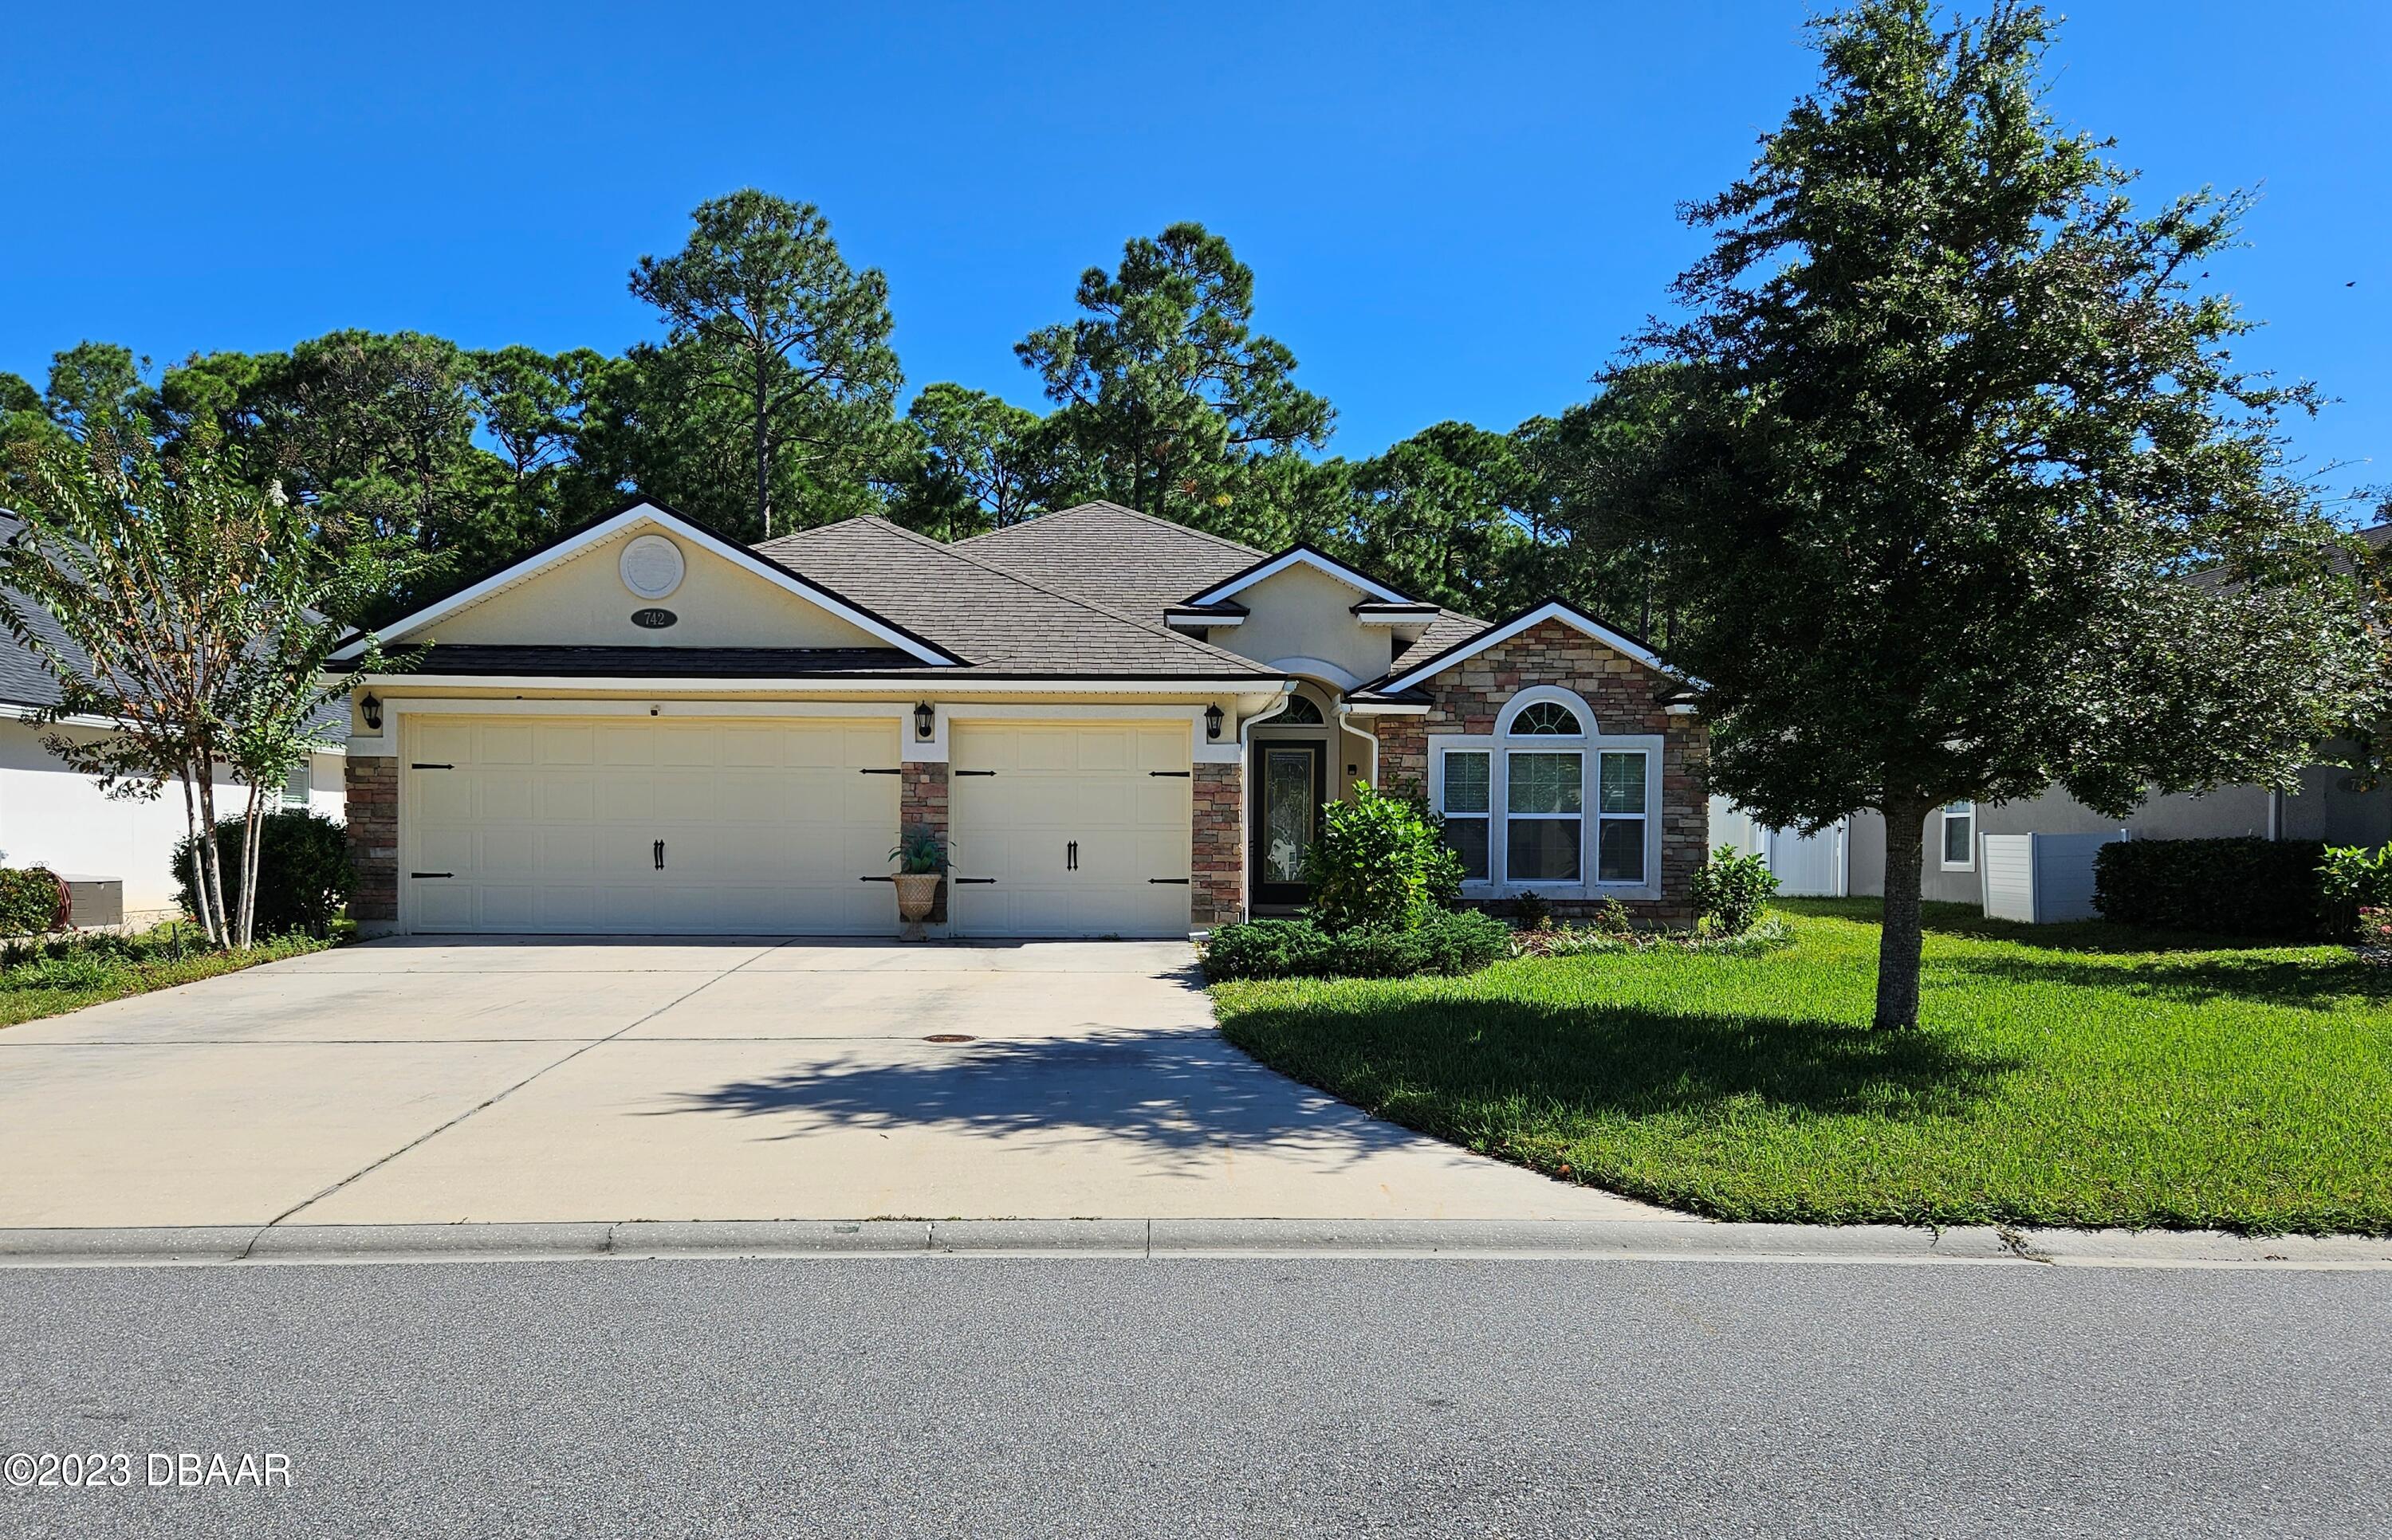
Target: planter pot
{"points": [[918, 894]]}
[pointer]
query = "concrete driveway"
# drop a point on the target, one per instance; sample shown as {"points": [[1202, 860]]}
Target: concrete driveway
{"points": [[527, 1080]]}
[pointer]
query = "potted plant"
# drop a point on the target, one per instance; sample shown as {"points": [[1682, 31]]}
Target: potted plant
{"points": [[920, 858]]}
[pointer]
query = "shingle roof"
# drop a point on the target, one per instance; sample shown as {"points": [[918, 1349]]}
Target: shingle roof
{"points": [[1449, 627], [1128, 561], [996, 620]]}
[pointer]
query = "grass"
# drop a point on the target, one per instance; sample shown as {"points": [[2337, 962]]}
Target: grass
{"points": [[49, 978], [2064, 1075]]}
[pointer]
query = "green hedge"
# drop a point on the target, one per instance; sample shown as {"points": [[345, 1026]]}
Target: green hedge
{"points": [[29, 900], [304, 873], [1455, 942], [2222, 887]]}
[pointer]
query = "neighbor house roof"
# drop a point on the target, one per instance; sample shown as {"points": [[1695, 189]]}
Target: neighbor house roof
{"points": [[1132, 564], [996, 620]]}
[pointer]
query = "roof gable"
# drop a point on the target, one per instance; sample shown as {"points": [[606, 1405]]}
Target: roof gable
{"points": [[1271, 567], [634, 518], [1412, 673], [1130, 562]]}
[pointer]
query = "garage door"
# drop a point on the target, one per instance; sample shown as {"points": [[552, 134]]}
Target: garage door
{"points": [[1069, 829], [644, 826]]}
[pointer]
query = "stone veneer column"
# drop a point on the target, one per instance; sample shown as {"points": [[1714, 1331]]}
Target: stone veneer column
{"points": [[372, 785], [1403, 756], [922, 803], [1216, 856]]}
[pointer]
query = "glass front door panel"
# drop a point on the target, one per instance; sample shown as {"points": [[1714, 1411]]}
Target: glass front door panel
{"points": [[1288, 812]]}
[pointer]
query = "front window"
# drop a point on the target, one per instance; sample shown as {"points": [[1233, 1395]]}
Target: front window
{"points": [[1959, 837], [1542, 816], [1620, 839], [1466, 809], [296, 786]]}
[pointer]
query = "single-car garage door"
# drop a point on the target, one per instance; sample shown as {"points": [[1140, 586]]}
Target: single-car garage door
{"points": [[1069, 829], [638, 825]]}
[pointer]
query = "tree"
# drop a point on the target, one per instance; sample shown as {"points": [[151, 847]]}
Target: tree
{"points": [[193, 612], [1966, 479], [767, 320], [1164, 388], [97, 387], [1443, 515], [980, 462]]}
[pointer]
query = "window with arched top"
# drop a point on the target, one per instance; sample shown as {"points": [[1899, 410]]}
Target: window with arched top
{"points": [[1300, 712], [1546, 720], [1546, 802]]}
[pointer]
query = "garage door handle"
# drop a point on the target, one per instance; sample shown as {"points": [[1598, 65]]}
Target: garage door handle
{"points": [[1169, 881], [1072, 855], [660, 855]]}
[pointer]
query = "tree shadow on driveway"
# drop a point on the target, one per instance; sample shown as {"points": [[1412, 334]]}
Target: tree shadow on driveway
{"points": [[1182, 1102]]}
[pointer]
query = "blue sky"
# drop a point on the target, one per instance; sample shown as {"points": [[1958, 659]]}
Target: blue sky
{"points": [[1452, 211]]}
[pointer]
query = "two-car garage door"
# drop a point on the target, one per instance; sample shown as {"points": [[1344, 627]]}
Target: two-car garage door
{"points": [[768, 826], [640, 825]]}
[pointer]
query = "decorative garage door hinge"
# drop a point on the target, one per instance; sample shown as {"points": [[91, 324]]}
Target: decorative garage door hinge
{"points": [[959, 881], [1175, 775], [975, 772], [431, 767], [432, 874], [1169, 881], [882, 772]]}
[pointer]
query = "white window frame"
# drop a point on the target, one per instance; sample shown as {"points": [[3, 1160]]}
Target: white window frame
{"points": [[1490, 818], [303, 777], [1499, 746], [1943, 840]]}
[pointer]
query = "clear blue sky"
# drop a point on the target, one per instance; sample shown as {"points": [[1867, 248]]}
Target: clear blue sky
{"points": [[1453, 212]]}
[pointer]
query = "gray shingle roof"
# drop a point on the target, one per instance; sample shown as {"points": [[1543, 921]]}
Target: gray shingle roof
{"points": [[1128, 561], [696, 663], [998, 621]]}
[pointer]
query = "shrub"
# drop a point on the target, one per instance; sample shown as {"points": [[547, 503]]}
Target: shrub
{"points": [[2352, 882], [303, 871], [2376, 929], [2225, 886], [1530, 912], [1378, 863], [1450, 942], [29, 901], [1730, 890]]}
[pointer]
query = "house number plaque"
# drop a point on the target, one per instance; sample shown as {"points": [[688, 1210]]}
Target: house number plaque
{"points": [[653, 620]]}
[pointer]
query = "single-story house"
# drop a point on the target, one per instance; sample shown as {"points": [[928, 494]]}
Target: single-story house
{"points": [[1119, 725], [55, 817]]}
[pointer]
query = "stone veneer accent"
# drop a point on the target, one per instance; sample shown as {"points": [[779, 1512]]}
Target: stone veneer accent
{"points": [[1216, 855], [1467, 697], [922, 801], [373, 785]]}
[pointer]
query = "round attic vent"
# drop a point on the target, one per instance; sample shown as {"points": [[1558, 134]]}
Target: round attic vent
{"points": [[651, 566]]}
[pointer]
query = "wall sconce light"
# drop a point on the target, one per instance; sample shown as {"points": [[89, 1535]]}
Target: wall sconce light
{"points": [[925, 720], [372, 708], [1213, 721]]}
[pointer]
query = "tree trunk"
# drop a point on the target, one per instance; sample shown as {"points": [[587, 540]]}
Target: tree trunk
{"points": [[1898, 942], [763, 449], [214, 867], [206, 916], [247, 934]]}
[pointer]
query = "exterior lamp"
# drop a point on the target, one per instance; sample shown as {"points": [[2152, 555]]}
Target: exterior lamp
{"points": [[1213, 721], [372, 708], [925, 719]]}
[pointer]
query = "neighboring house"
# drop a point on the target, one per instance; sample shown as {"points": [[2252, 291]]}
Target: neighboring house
{"points": [[1120, 725], [52, 816]]}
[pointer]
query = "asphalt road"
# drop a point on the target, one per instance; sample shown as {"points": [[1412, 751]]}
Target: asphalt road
{"points": [[986, 1397]]}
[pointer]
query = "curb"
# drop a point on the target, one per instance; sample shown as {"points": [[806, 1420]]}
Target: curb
{"points": [[1592, 1240]]}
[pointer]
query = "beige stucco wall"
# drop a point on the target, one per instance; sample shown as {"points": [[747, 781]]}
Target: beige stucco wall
{"points": [[582, 602], [1303, 613]]}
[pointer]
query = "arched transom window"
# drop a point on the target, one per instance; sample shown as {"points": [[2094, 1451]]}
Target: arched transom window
{"points": [[1546, 802], [1300, 712]]}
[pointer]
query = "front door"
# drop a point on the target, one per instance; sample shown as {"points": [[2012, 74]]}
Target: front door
{"points": [[1293, 784]]}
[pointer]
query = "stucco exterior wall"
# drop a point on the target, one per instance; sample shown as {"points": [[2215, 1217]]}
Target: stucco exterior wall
{"points": [[583, 602], [1304, 612]]}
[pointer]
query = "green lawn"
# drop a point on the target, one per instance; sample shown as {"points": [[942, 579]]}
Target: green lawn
{"points": [[2075, 1075], [51, 986]]}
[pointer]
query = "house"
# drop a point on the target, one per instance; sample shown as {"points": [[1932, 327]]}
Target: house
{"points": [[1121, 726], [59, 818]]}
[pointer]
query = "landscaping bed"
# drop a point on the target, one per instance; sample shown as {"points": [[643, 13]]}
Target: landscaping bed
{"points": [[50, 977], [2074, 1075]]}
